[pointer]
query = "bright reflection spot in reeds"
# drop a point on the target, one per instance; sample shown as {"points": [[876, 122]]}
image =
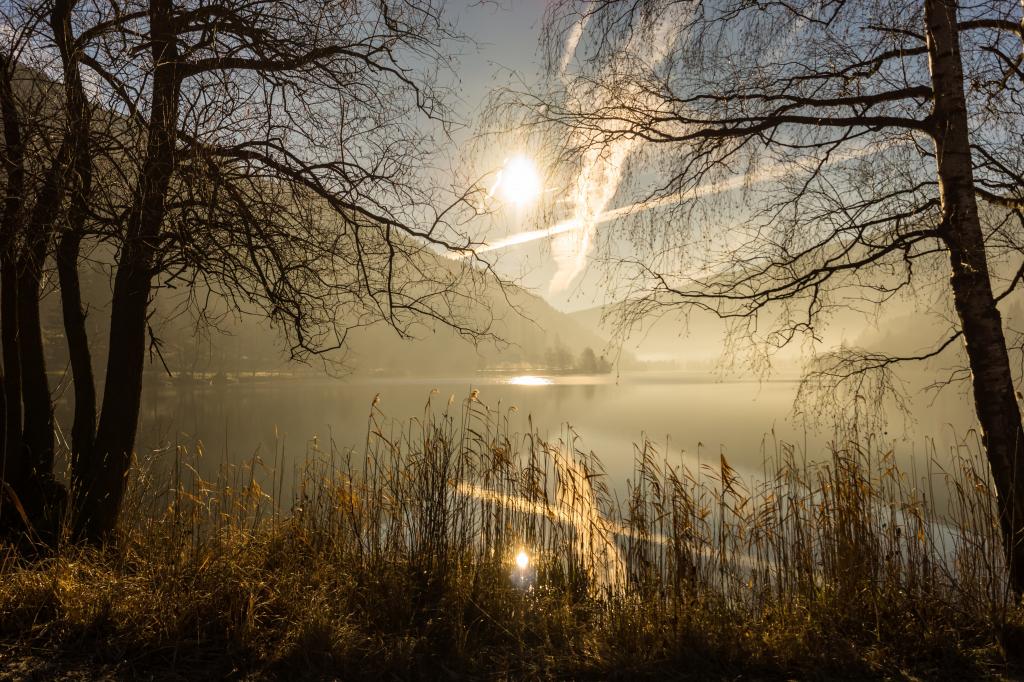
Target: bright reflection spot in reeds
{"points": [[577, 511], [524, 575], [530, 380]]}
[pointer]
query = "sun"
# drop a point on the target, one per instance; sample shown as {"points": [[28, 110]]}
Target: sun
{"points": [[518, 182], [522, 560]]}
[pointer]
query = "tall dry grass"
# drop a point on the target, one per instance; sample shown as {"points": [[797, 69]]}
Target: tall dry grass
{"points": [[399, 559]]}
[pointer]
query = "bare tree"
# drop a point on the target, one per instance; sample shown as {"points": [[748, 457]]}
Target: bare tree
{"points": [[866, 133], [274, 154], [285, 144], [36, 151], [14, 471], [69, 242]]}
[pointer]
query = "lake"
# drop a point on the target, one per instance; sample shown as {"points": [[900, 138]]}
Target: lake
{"points": [[694, 414]]}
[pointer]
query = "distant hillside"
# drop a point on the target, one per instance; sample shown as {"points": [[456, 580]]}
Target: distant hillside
{"points": [[529, 336], [670, 338], [535, 337], [528, 333], [694, 341], [910, 321], [697, 341]]}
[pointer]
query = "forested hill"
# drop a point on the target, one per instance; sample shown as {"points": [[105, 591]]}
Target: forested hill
{"points": [[530, 336], [698, 341]]}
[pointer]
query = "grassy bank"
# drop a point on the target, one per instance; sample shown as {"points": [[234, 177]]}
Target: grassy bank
{"points": [[400, 561]]}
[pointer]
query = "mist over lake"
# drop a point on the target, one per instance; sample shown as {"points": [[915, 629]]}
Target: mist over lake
{"points": [[686, 414]]}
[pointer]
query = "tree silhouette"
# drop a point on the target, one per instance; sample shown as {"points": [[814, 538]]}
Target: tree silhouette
{"points": [[272, 154], [865, 133]]}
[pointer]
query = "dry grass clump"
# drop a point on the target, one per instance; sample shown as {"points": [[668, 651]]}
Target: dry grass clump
{"points": [[399, 561]]}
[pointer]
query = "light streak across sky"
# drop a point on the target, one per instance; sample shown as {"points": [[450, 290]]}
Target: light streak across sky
{"points": [[575, 224], [601, 166]]}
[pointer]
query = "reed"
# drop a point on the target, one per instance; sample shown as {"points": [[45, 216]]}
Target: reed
{"points": [[405, 558]]}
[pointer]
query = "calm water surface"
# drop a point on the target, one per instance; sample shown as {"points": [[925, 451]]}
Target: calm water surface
{"points": [[688, 415]]}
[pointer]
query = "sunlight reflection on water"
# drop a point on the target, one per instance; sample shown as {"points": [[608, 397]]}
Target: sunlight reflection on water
{"points": [[524, 575], [530, 380]]}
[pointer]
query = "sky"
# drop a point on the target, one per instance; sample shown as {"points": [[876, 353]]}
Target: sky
{"points": [[554, 258], [551, 258], [507, 36]]}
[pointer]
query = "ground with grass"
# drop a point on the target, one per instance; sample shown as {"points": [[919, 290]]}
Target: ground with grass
{"points": [[399, 562]]}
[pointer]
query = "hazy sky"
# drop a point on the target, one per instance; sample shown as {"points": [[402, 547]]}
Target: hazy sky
{"points": [[559, 268], [507, 50], [507, 36]]}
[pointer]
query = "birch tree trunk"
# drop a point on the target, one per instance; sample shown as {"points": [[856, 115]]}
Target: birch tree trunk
{"points": [[994, 398]]}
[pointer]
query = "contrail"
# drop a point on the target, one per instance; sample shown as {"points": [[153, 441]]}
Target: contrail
{"points": [[601, 168], [573, 224], [529, 236]]}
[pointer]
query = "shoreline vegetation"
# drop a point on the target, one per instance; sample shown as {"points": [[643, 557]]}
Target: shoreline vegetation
{"points": [[452, 546]]}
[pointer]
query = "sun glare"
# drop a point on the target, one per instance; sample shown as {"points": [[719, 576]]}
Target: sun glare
{"points": [[518, 181], [529, 380], [522, 560]]}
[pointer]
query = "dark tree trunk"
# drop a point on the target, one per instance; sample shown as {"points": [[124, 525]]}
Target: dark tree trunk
{"points": [[115, 436], [83, 428], [43, 497], [37, 433], [103, 488], [14, 168], [994, 398], [16, 470]]}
